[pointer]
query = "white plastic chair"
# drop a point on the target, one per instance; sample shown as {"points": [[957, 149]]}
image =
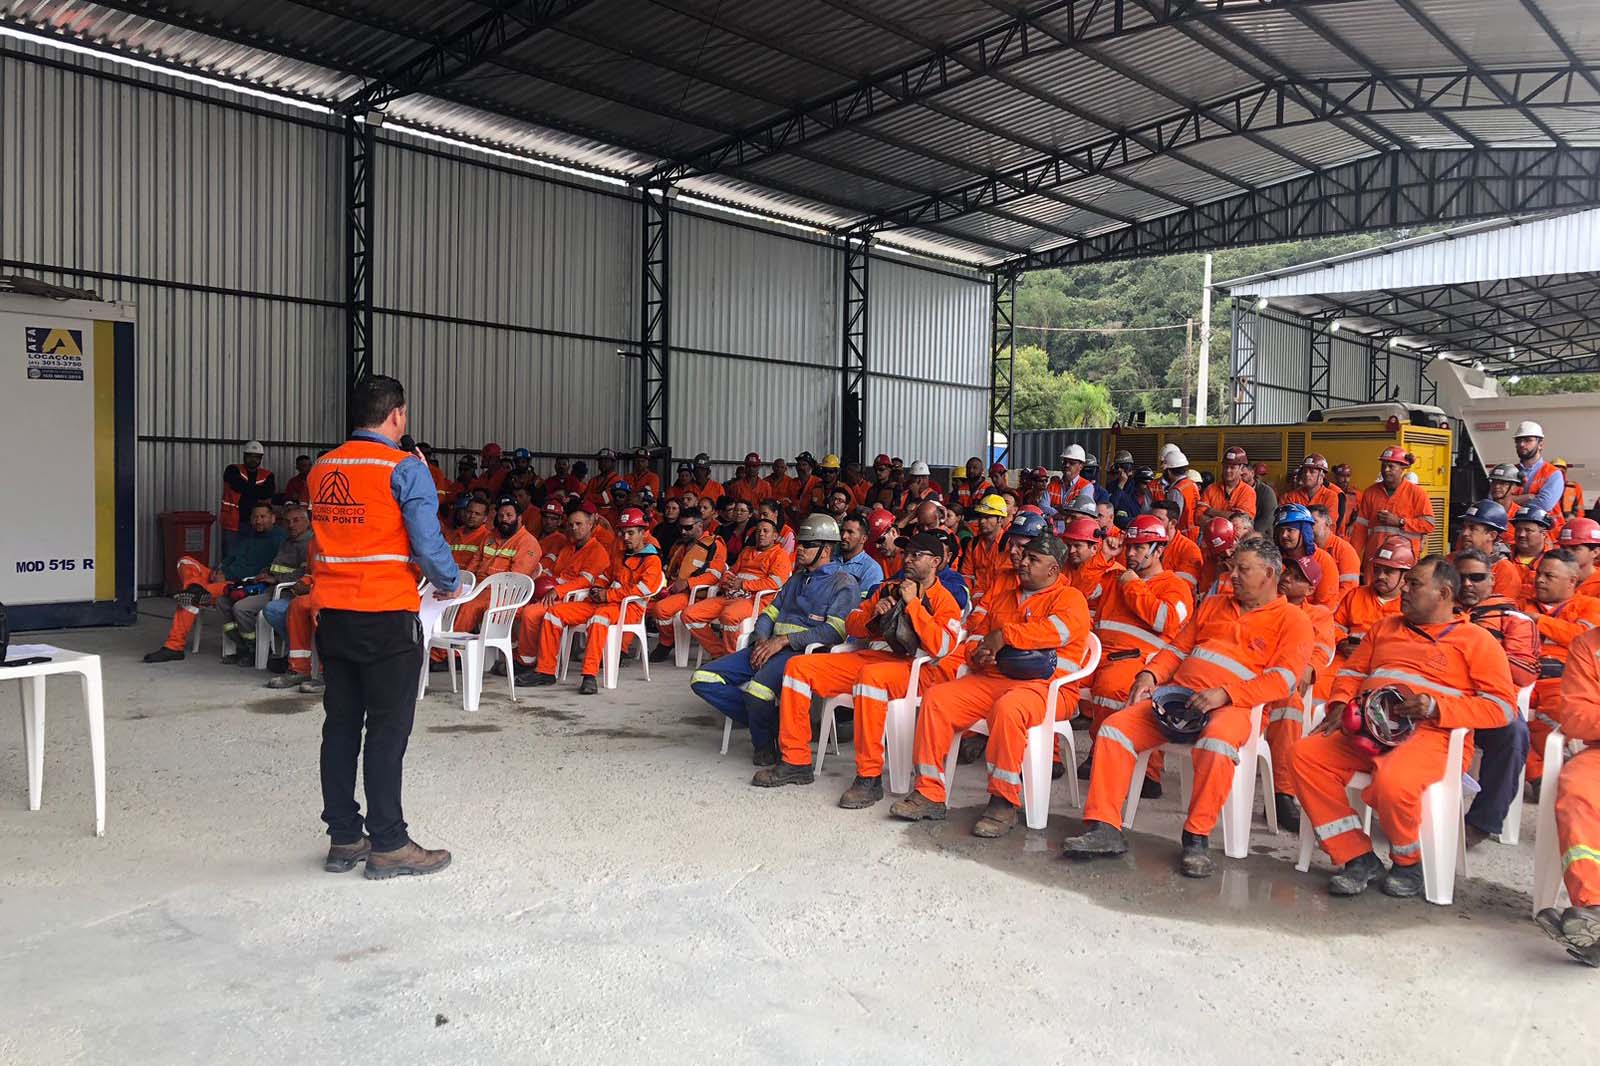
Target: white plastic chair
{"points": [[611, 661], [1511, 829], [1548, 886], [746, 627], [507, 592], [1041, 749], [1444, 824], [435, 615], [266, 636], [680, 630], [1237, 808]]}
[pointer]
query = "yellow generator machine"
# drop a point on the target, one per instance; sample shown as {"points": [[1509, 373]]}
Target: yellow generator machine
{"points": [[1344, 437]]}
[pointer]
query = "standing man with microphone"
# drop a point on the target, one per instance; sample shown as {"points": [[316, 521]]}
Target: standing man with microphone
{"points": [[374, 510]]}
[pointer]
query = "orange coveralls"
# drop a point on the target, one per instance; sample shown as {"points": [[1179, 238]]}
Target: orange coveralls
{"points": [[698, 565], [1513, 581], [1219, 499], [1138, 618], [1559, 626], [1088, 578], [1184, 558], [754, 571], [1256, 656], [1326, 495], [1056, 617], [575, 568], [466, 546], [628, 575], [1327, 592], [1517, 633], [1578, 788], [1286, 721], [1409, 502], [1189, 521], [873, 676], [1462, 667], [751, 492], [784, 489], [1357, 613], [982, 563], [518, 553]]}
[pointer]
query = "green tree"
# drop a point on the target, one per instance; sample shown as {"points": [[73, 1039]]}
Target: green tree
{"points": [[1045, 399], [1552, 384]]}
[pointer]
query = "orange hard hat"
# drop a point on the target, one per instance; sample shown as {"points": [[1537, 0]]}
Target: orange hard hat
{"points": [[1086, 530], [1395, 454], [1395, 553], [1580, 532], [1220, 535], [1148, 529]]}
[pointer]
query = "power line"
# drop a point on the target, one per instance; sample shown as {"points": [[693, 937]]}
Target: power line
{"points": [[1101, 329]]}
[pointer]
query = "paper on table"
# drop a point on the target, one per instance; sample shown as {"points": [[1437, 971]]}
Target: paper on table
{"points": [[30, 651]]}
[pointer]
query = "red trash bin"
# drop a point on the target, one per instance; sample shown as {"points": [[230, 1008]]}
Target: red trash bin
{"points": [[185, 533]]}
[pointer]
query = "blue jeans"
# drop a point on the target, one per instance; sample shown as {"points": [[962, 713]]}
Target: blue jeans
{"points": [[749, 697], [276, 613], [1505, 750]]}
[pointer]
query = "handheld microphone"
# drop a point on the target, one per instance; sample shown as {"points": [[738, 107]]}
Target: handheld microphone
{"points": [[407, 443]]}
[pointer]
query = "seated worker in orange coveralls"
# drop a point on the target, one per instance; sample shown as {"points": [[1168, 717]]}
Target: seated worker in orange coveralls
{"points": [[1578, 806], [1238, 652], [1453, 675]]}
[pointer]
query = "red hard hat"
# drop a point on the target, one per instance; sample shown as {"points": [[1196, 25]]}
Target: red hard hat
{"points": [[881, 460], [1234, 454], [543, 586], [554, 507], [1086, 530], [1308, 567], [1342, 468], [1580, 531], [752, 459], [491, 451], [1395, 454], [997, 469], [1316, 461], [1146, 529], [1220, 535], [1395, 553], [632, 518], [879, 522], [1039, 473]]}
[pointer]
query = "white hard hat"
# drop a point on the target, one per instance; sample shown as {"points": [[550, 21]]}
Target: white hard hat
{"points": [[1530, 429], [1168, 448], [919, 469], [1172, 458], [253, 447], [1194, 476], [1074, 453], [1411, 476]]}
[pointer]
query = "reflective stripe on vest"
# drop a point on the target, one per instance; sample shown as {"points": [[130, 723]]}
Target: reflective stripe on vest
{"points": [[364, 554]]}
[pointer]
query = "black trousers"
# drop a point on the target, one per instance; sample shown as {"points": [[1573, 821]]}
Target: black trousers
{"points": [[370, 665]]}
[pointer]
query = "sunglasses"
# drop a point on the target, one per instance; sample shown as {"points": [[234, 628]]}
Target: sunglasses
{"points": [[686, 529], [812, 545], [1475, 578]]}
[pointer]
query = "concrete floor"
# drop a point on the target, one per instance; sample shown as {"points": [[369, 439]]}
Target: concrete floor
{"points": [[621, 895]]}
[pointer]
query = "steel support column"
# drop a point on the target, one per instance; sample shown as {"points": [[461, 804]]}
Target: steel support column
{"points": [[1378, 367], [1002, 359], [655, 322], [1319, 378], [358, 174], [1246, 324], [853, 380], [1427, 388]]}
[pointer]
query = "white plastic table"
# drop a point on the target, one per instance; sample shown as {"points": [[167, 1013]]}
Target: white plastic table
{"points": [[30, 681]]}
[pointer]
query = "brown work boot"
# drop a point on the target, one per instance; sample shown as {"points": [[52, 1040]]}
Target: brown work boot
{"points": [[863, 792], [407, 860], [342, 858], [917, 807], [997, 820]]}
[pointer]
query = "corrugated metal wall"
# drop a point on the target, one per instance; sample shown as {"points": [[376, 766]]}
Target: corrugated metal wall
{"points": [[505, 293], [1283, 367]]}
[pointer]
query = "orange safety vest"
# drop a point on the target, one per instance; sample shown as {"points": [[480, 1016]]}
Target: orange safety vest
{"points": [[364, 554], [229, 518]]}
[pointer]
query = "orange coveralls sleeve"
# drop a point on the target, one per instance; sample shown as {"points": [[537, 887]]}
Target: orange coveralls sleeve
{"points": [[1480, 696], [1255, 656], [582, 568], [714, 570], [760, 571], [1242, 497], [1575, 618], [1409, 503], [1578, 790]]}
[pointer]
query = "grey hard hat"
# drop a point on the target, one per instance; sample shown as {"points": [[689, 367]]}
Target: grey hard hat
{"points": [[1505, 472], [1123, 457], [1082, 505], [817, 527]]}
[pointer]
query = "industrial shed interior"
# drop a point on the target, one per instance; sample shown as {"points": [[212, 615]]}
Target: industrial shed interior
{"points": [[700, 226]]}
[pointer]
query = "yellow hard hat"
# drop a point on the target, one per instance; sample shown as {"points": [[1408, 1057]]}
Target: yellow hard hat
{"points": [[1562, 463], [991, 505], [829, 462]]}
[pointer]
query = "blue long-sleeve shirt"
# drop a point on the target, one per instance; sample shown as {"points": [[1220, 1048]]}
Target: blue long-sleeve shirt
{"points": [[418, 498], [810, 608], [1548, 497], [865, 569]]}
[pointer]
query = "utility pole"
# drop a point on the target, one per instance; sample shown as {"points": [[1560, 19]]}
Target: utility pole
{"points": [[1188, 363], [1203, 373]]}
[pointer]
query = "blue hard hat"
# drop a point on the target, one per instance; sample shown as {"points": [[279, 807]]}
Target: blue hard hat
{"points": [[1024, 664], [1291, 513], [1486, 513], [621, 486], [1176, 720], [522, 453], [1535, 515], [1027, 525]]}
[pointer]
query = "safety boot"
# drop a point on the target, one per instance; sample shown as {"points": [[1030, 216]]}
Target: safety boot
{"points": [[783, 774], [764, 754], [534, 679], [163, 655], [919, 808], [588, 686], [285, 681], [1357, 874], [1098, 840], [313, 686], [1402, 882], [1085, 768], [863, 792], [409, 860], [1577, 927], [971, 749], [661, 653], [1150, 788], [1196, 860], [997, 819], [342, 858], [1288, 813]]}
